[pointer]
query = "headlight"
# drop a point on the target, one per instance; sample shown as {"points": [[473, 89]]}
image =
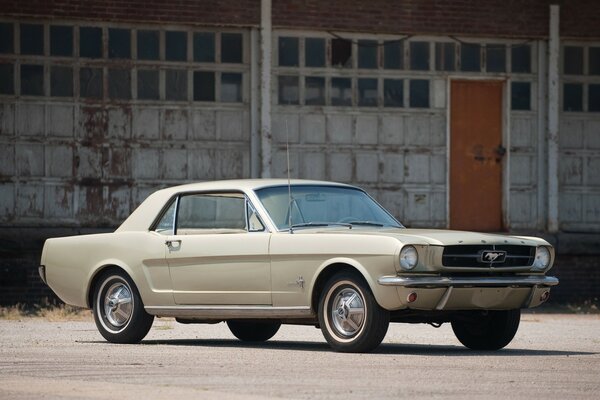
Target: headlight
{"points": [[542, 258], [408, 257]]}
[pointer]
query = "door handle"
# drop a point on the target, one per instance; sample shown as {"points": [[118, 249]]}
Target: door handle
{"points": [[500, 151], [173, 244]]}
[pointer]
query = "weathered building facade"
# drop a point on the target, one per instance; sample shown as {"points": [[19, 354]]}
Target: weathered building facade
{"points": [[464, 114]]}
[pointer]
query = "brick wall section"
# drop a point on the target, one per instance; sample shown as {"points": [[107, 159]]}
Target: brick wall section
{"points": [[194, 12], [504, 18], [579, 277]]}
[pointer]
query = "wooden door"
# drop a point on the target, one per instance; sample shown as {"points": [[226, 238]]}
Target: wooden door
{"points": [[476, 155]]}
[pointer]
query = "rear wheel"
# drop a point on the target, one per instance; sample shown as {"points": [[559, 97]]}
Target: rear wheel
{"points": [[254, 331], [490, 330], [349, 316], [118, 309]]}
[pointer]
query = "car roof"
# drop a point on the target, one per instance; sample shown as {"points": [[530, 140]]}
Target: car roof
{"points": [[245, 184], [145, 214]]}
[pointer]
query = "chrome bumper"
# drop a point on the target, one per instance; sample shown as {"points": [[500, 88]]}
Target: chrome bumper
{"points": [[445, 281]]}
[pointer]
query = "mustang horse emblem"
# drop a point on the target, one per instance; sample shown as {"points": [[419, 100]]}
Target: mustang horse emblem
{"points": [[492, 256]]}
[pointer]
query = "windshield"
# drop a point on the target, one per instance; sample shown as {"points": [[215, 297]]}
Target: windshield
{"points": [[313, 205]]}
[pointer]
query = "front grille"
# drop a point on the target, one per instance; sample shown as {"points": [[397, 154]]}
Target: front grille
{"points": [[478, 256]]}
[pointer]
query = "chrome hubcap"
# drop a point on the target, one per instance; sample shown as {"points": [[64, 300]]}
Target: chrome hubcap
{"points": [[348, 312], [118, 305]]}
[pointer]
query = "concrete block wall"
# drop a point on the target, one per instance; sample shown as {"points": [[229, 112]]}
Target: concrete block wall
{"points": [[526, 208], [579, 172], [74, 164], [400, 158]]}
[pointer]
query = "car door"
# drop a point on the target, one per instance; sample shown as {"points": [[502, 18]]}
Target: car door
{"points": [[218, 253]]}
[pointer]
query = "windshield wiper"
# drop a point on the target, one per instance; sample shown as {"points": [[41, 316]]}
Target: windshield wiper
{"points": [[313, 224], [370, 223]]}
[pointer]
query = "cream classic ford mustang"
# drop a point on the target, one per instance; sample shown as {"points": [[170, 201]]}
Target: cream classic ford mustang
{"points": [[259, 253]]}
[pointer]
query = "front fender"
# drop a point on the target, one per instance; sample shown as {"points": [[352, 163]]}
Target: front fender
{"points": [[386, 296]]}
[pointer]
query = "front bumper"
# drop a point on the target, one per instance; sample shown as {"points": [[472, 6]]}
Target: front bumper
{"points": [[470, 293], [446, 281]]}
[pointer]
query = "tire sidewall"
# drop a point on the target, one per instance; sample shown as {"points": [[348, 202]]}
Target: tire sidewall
{"points": [[375, 321], [139, 323], [330, 293], [100, 293]]}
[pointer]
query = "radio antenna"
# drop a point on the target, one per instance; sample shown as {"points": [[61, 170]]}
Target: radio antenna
{"points": [[287, 151]]}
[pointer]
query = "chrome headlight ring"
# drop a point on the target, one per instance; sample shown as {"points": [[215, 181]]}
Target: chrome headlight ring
{"points": [[542, 258], [408, 257]]}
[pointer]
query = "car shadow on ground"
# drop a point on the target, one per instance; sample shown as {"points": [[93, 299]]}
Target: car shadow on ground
{"points": [[385, 348]]}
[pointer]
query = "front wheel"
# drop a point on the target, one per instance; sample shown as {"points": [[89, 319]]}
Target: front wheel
{"points": [[349, 316], [254, 331], [489, 330], [118, 309]]}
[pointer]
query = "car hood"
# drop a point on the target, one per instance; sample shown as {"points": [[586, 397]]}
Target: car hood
{"points": [[436, 237]]}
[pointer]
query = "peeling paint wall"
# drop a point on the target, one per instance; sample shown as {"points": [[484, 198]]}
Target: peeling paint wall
{"points": [[399, 158], [92, 165]]}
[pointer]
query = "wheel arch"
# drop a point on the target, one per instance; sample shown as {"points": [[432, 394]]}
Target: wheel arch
{"points": [[331, 268], [98, 272]]}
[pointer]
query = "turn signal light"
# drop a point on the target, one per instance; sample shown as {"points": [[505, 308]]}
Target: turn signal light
{"points": [[411, 298]]}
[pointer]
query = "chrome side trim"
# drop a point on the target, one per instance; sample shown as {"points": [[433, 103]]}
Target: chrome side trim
{"points": [[230, 312], [446, 281]]}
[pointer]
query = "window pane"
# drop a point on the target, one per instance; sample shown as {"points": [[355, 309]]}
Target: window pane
{"points": [[175, 46], [231, 48], [119, 84], [495, 58], [314, 91], [367, 54], [393, 54], [32, 39], [288, 52], [204, 86], [165, 225], [470, 57], [573, 60], [367, 92], [594, 97], [520, 93], [6, 38], [231, 87], [61, 40], [573, 97], [148, 45], [204, 47], [119, 43], [288, 90], [90, 42], [176, 84], [90, 82], [419, 56], [393, 95], [521, 58], [341, 92], [61, 81], [147, 85], [32, 80], [314, 52], [445, 56], [594, 61], [210, 212], [419, 93], [7, 85], [341, 53]]}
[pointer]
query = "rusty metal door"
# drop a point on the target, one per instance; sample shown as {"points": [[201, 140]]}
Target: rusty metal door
{"points": [[476, 155]]}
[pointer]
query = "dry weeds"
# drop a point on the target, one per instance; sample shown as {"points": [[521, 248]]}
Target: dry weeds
{"points": [[46, 311]]}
